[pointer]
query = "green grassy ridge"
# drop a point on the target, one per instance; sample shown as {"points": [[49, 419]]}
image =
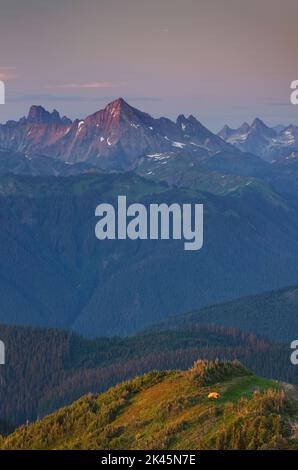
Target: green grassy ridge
{"points": [[171, 410], [47, 369]]}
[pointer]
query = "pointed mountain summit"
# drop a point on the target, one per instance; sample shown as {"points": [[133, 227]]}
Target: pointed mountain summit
{"points": [[118, 107], [225, 132], [244, 127], [198, 135], [116, 112], [191, 126], [39, 115], [259, 126]]}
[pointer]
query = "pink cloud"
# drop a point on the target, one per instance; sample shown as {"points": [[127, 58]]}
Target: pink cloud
{"points": [[86, 85], [7, 74]]}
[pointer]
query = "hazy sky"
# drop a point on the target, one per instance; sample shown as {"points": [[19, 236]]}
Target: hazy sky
{"points": [[221, 60]]}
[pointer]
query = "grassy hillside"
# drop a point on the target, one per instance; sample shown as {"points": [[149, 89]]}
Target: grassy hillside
{"points": [[171, 410], [46, 369], [272, 314]]}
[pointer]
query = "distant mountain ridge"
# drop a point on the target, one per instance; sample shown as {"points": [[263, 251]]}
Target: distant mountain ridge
{"points": [[271, 314], [269, 143], [113, 138], [119, 136], [123, 138]]}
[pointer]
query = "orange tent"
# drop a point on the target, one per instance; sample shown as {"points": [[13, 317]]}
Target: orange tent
{"points": [[214, 395]]}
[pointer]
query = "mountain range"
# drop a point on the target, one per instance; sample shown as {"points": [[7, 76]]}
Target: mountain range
{"points": [[119, 136], [113, 138], [54, 172], [269, 314], [183, 153]]}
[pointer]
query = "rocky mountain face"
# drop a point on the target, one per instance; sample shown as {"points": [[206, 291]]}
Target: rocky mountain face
{"points": [[269, 143], [113, 138], [40, 129]]}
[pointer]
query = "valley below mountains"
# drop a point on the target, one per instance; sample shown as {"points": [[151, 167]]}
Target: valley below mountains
{"points": [[55, 273]]}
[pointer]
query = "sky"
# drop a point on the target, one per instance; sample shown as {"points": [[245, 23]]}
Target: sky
{"points": [[224, 61]]}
